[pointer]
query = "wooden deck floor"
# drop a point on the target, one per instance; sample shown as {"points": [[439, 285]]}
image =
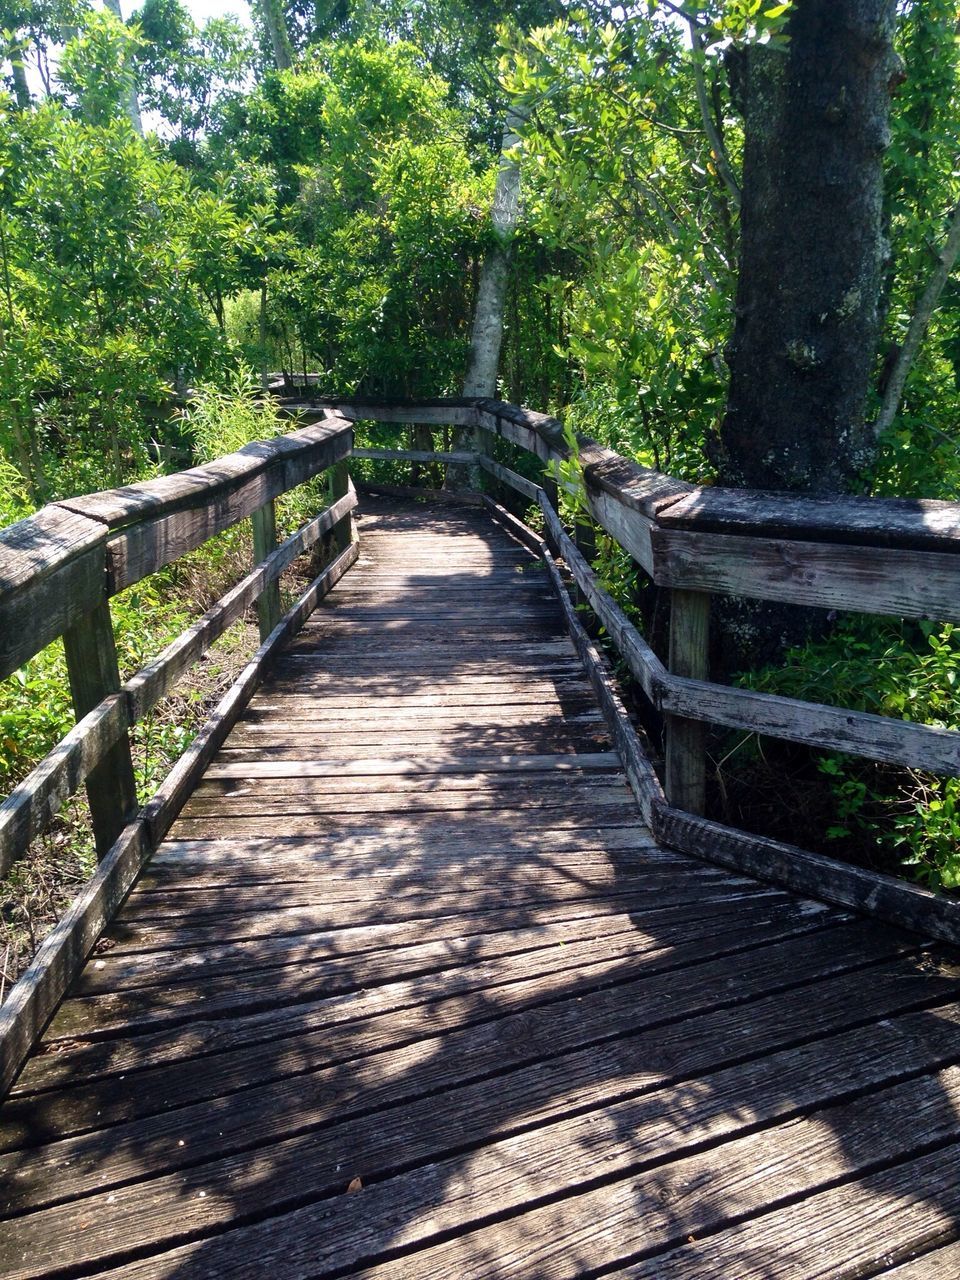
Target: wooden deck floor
{"points": [[409, 992]]}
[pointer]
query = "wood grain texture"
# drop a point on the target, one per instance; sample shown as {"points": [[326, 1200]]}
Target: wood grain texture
{"points": [[685, 770], [903, 904], [94, 674], [419, 997], [220, 496], [52, 572], [908, 523], [859, 579], [264, 527]]}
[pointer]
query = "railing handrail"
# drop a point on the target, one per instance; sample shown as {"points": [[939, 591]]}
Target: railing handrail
{"points": [[59, 564]]}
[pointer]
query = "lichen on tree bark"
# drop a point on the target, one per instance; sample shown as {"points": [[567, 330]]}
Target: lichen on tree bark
{"points": [[812, 251]]}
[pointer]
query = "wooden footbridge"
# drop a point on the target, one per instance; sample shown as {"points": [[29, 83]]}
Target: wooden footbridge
{"points": [[412, 968]]}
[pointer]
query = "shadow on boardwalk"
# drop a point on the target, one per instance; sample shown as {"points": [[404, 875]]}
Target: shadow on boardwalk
{"points": [[438, 1030]]}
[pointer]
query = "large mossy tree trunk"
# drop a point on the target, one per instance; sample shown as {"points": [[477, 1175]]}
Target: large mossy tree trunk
{"points": [[812, 250]]}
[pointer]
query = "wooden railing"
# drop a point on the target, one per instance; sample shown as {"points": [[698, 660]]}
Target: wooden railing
{"points": [[58, 571]]}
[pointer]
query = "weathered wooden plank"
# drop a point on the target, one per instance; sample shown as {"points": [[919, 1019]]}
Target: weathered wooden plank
{"points": [[303, 824], [635, 1215], [374, 766], [803, 966], [31, 805], [685, 778], [156, 679], [162, 809], [610, 790], [908, 523], [901, 742], [907, 584], [416, 455], [869, 892], [644, 665], [588, 1064], [700, 1031], [640, 773], [688, 1200], [399, 943], [94, 675], [855, 1229], [52, 573], [298, 453], [345, 531], [782, 1085], [934, 1265], [33, 999], [264, 527], [219, 496], [522, 485], [446, 496], [455, 413], [498, 738], [438, 964]]}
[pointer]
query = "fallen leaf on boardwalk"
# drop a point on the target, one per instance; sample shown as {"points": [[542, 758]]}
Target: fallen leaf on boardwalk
{"points": [[354, 1185]]}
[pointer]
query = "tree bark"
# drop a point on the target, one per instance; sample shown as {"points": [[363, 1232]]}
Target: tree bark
{"points": [[271, 11], [893, 394], [131, 104], [812, 248], [486, 338]]}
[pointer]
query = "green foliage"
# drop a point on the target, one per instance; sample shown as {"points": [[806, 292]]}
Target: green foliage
{"points": [[622, 188], [920, 456], [97, 66], [383, 214], [892, 668]]}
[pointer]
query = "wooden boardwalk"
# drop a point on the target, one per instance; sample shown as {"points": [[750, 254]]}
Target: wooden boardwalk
{"points": [[410, 992]]}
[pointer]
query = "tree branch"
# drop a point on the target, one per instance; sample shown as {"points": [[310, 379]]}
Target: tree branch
{"points": [[918, 326], [709, 127]]}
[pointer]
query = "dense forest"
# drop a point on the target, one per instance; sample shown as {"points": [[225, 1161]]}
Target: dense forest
{"points": [[186, 209]]}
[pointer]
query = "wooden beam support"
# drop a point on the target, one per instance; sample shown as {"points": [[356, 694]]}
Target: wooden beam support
{"points": [[345, 530], [686, 764], [264, 524], [94, 675]]}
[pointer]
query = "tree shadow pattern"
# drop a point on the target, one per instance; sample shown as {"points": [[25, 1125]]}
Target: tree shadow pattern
{"points": [[409, 991]]}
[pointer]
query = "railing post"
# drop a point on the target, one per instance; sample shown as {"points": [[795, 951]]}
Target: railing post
{"points": [[343, 532], [264, 523], [94, 674], [686, 765]]}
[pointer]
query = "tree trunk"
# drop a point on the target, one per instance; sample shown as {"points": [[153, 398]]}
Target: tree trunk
{"points": [[486, 338], [130, 105], [271, 11], [918, 326], [487, 335], [811, 253]]}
